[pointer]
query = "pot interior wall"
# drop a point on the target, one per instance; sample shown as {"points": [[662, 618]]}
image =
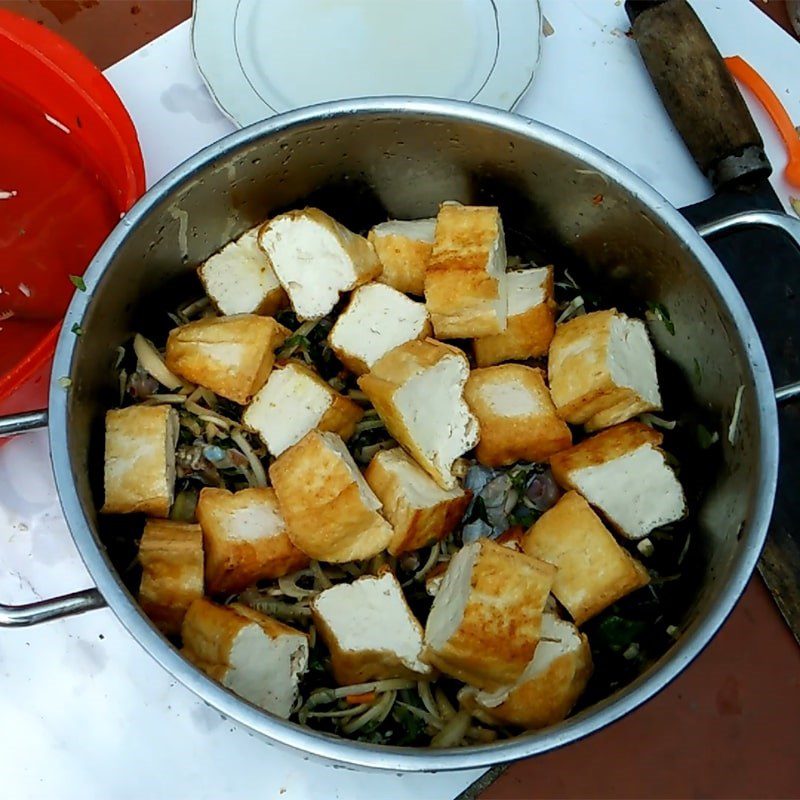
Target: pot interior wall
{"points": [[557, 208]]}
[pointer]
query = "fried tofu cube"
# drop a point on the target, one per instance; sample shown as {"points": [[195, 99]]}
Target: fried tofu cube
{"points": [[232, 356], [331, 513], [404, 249], [316, 259], [369, 630], [531, 320], [465, 283], [622, 472], [245, 539], [594, 571], [376, 320], [171, 556], [420, 511], [295, 400], [139, 467], [253, 655], [485, 621], [602, 370], [240, 280], [418, 391], [516, 416], [551, 684]]}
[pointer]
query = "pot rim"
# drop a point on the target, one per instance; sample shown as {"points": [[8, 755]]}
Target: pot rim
{"points": [[356, 754]]}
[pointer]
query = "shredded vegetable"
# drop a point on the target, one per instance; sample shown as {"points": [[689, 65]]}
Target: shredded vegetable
{"points": [[151, 362]]}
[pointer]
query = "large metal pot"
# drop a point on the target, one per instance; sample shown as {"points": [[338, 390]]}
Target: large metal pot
{"points": [[363, 161]]}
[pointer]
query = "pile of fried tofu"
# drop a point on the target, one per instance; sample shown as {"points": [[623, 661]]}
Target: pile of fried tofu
{"points": [[461, 357]]}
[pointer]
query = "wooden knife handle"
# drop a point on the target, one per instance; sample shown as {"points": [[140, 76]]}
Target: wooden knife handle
{"points": [[698, 92]]}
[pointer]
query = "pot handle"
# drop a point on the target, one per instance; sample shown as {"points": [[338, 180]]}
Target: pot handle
{"points": [[55, 607], [765, 219]]}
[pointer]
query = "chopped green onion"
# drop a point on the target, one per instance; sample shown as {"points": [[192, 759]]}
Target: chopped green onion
{"points": [[659, 311], [76, 329], [78, 282], [705, 438]]}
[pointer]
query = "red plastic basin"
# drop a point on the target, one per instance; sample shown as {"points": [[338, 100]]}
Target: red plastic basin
{"points": [[70, 167]]}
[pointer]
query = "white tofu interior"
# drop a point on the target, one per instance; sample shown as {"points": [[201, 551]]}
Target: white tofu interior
{"points": [[286, 408], [253, 522], [378, 319], [558, 638], [419, 489], [334, 442], [511, 399], [310, 262], [438, 420], [371, 614], [526, 289], [239, 278], [496, 267], [266, 671], [637, 491], [417, 230], [452, 596], [631, 359]]}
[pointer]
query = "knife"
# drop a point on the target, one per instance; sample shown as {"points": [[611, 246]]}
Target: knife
{"points": [[711, 116]]}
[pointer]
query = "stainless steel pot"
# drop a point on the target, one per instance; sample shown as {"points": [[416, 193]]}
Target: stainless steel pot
{"points": [[363, 161]]}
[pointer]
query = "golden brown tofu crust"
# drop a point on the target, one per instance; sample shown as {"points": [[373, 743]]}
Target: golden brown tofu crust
{"points": [[580, 377], [459, 291], [325, 515], [594, 571], [527, 335], [233, 564], [404, 261], [366, 264], [210, 630], [389, 373], [502, 620], [413, 527], [191, 353], [355, 364], [139, 452], [271, 304], [505, 439], [358, 666], [171, 556], [342, 416], [548, 698], [602, 447]]}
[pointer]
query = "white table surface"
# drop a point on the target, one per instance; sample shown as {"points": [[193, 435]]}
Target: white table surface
{"points": [[84, 711]]}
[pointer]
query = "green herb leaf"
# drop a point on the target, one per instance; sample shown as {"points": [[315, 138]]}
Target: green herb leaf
{"points": [[78, 282], [619, 633], [412, 727], [76, 329], [661, 313], [698, 373], [522, 515], [521, 476], [705, 438], [295, 341]]}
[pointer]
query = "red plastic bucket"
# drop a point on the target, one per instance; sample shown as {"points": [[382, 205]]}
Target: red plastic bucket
{"points": [[70, 167]]}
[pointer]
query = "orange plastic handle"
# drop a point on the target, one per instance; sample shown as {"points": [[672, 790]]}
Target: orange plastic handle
{"points": [[744, 73]]}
